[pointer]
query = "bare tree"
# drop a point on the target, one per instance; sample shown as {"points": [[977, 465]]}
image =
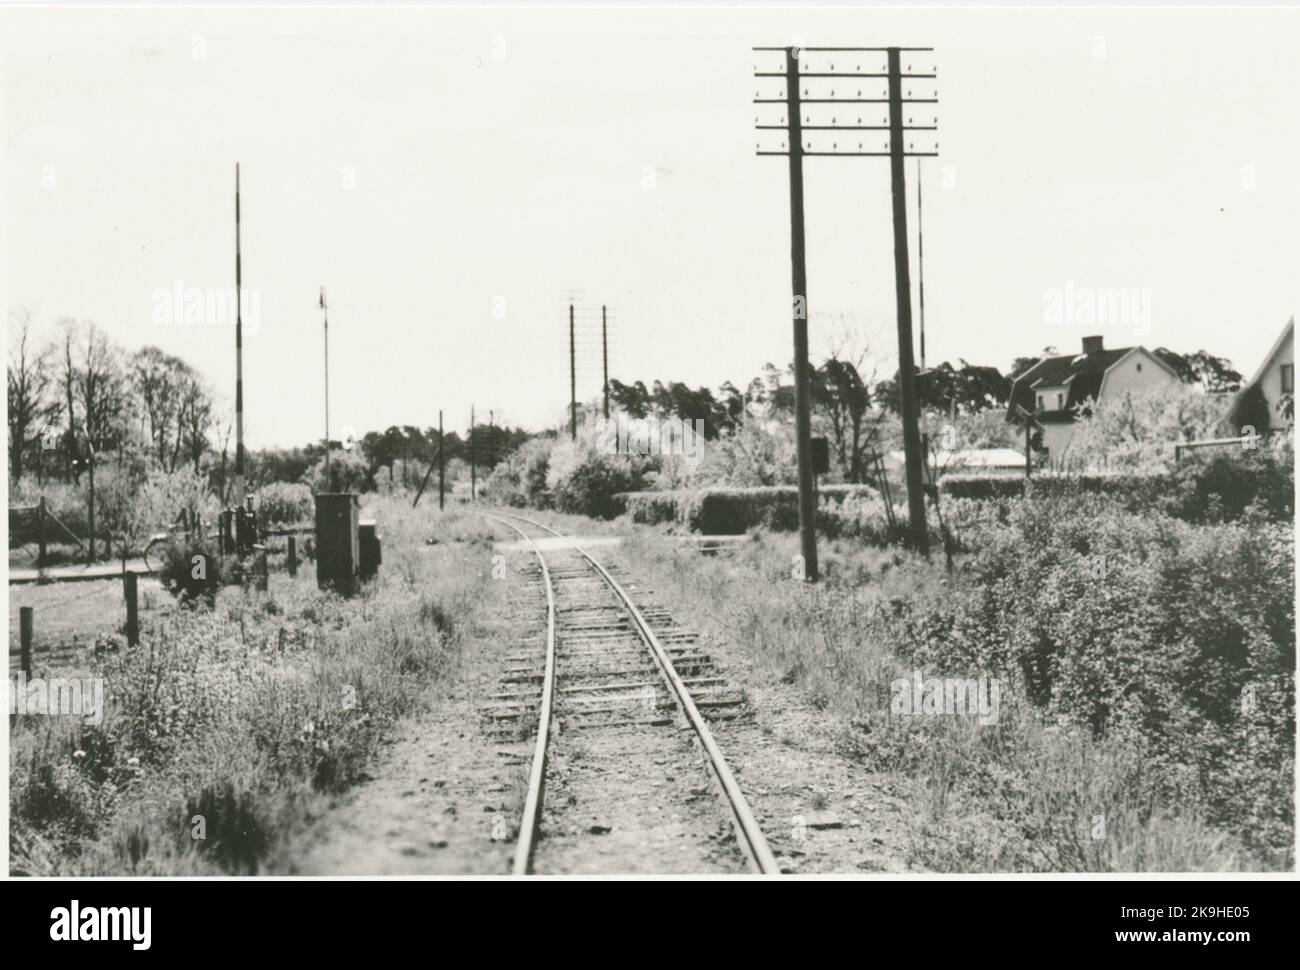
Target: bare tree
{"points": [[157, 378], [96, 380], [30, 379], [195, 418]]}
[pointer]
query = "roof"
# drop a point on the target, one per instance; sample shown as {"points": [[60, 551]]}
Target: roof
{"points": [[1268, 358], [1080, 374]]}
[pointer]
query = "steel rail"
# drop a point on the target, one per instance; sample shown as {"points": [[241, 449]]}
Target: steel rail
{"points": [[749, 833], [537, 773]]}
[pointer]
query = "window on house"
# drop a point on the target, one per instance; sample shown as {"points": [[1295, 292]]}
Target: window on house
{"points": [[1139, 368], [1288, 378], [1060, 401], [1040, 402]]}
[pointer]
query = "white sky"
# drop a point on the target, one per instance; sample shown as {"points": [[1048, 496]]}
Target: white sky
{"points": [[1167, 164]]}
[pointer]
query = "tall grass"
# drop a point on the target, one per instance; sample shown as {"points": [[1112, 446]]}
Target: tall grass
{"points": [[227, 728], [1120, 745]]}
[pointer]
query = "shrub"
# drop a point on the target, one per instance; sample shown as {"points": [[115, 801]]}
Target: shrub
{"points": [[284, 504], [589, 487], [191, 571], [348, 473], [520, 479], [650, 508], [1141, 623], [1202, 488], [1220, 487], [976, 486], [734, 511]]}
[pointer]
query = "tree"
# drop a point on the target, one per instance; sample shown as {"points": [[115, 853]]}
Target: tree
{"points": [[195, 419], [1022, 364], [30, 379], [154, 379], [1139, 430], [99, 387], [840, 394], [966, 389], [1202, 368]]}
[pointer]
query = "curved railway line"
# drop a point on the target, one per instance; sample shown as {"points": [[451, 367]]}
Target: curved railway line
{"points": [[613, 703]]}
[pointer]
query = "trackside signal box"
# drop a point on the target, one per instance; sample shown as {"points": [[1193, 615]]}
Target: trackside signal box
{"points": [[338, 549]]}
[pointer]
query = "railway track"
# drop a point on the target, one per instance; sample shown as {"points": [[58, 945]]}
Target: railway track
{"points": [[624, 773]]}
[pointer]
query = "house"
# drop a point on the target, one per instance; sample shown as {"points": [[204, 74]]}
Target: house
{"points": [[1258, 404], [1055, 387]]}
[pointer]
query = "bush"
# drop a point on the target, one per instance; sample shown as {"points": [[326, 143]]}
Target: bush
{"points": [[1183, 634], [650, 508], [734, 511], [348, 473], [520, 479], [191, 571], [589, 487], [976, 486], [284, 504], [1139, 488], [1220, 487], [1202, 488]]}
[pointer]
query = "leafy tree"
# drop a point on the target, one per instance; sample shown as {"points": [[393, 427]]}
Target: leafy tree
{"points": [[1202, 368]]}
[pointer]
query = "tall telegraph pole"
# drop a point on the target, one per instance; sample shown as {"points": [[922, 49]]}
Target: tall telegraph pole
{"points": [[799, 279], [604, 357], [903, 290], [573, 382], [239, 359], [798, 146], [324, 307]]}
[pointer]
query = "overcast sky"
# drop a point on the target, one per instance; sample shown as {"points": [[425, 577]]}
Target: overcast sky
{"points": [[429, 167]]}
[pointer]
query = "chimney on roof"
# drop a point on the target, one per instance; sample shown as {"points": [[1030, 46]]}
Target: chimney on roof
{"points": [[1092, 345]]}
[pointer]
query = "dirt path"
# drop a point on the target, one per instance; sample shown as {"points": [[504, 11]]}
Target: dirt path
{"points": [[441, 797]]}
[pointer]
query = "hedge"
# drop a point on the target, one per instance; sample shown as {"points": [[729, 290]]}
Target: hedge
{"points": [[1201, 488], [731, 511], [1126, 484]]}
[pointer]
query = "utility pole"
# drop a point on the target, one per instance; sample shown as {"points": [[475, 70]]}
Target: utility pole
{"points": [[441, 467], [239, 360], [799, 280], [903, 289], [920, 258], [798, 146], [573, 383], [473, 464], [324, 307], [604, 356], [492, 448]]}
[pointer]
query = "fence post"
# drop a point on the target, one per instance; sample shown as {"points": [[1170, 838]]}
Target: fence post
{"points": [[132, 609], [261, 581], [292, 560], [40, 530], [25, 639]]}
